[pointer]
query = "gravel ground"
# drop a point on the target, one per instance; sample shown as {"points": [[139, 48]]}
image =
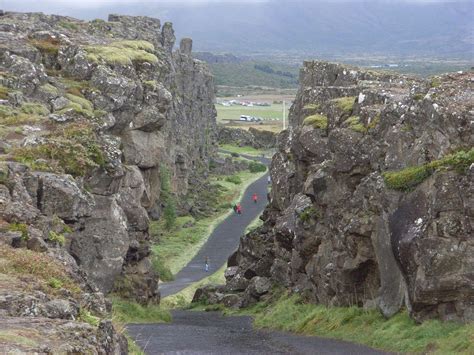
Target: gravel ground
{"points": [[211, 333]]}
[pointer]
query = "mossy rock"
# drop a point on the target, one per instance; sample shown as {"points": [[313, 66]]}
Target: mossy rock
{"points": [[316, 121], [355, 124], [123, 53], [408, 178], [345, 103]]}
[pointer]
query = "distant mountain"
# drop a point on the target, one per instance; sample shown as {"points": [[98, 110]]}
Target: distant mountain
{"points": [[323, 29]]}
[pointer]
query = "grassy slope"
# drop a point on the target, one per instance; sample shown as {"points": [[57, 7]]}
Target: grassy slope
{"points": [[245, 74], [369, 327]]}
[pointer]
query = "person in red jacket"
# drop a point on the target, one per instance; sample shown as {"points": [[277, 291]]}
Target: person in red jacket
{"points": [[255, 198], [239, 209]]}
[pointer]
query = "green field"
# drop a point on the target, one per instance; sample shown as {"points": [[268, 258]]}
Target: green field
{"points": [[265, 112]]}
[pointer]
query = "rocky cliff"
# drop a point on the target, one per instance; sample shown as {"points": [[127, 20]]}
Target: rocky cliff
{"points": [[372, 196], [91, 114]]}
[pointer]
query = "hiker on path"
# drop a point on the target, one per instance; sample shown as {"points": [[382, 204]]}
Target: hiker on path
{"points": [[255, 198], [235, 208], [206, 264], [239, 209], [269, 180]]}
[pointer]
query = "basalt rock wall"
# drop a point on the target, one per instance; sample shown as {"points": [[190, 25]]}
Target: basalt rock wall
{"points": [[371, 203], [92, 114]]}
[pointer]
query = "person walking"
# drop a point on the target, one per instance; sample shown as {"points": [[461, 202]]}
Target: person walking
{"points": [[239, 209], [206, 264], [254, 198], [235, 208]]}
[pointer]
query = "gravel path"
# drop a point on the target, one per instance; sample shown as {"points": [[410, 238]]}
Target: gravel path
{"points": [[224, 240], [211, 333]]}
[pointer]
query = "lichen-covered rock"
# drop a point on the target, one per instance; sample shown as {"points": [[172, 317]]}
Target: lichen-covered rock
{"points": [[259, 139], [96, 112], [370, 203]]}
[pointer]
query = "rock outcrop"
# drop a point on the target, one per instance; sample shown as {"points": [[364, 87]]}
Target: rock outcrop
{"points": [[256, 138], [371, 203], [91, 114]]}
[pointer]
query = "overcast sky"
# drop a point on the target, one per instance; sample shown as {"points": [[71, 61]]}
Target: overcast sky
{"points": [[50, 5]]}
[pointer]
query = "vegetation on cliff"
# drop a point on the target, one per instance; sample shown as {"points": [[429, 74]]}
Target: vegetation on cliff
{"points": [[406, 179]]}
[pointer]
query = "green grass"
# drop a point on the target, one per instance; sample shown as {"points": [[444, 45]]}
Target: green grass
{"points": [[132, 312], [244, 150], [265, 112], [408, 178], [369, 327], [175, 248], [316, 121], [34, 109]]}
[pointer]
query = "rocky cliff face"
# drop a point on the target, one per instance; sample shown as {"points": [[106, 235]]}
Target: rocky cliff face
{"points": [[371, 203], [91, 114]]}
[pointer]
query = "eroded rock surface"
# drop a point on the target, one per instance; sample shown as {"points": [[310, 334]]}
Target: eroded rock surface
{"points": [[91, 115], [342, 231]]}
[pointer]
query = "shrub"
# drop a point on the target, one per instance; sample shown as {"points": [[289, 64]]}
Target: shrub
{"points": [[345, 103], [169, 213], [317, 121], [256, 167], [406, 179], [50, 89], [234, 179]]}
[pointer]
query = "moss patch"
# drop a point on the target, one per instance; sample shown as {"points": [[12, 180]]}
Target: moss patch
{"points": [[34, 109], [317, 121], [345, 103], [46, 46], [4, 92], [406, 179], [123, 53], [354, 123], [71, 149]]}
